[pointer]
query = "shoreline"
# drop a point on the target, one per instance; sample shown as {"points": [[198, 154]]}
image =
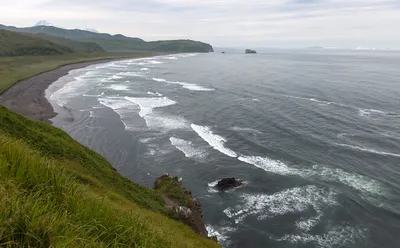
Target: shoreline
{"points": [[28, 98]]}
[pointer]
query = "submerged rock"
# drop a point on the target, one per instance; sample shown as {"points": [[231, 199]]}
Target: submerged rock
{"points": [[228, 183]]}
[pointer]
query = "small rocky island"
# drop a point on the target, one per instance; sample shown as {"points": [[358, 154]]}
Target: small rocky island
{"points": [[228, 183], [250, 51]]}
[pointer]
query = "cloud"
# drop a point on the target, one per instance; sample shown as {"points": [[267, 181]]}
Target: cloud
{"points": [[348, 23]]}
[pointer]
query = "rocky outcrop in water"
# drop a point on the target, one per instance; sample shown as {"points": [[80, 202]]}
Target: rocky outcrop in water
{"points": [[228, 183], [250, 51]]}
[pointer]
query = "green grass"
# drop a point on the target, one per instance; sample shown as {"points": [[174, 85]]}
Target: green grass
{"points": [[13, 69], [17, 44], [54, 192]]}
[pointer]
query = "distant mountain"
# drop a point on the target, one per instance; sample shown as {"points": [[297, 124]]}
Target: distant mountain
{"points": [[16, 44], [116, 42], [43, 23]]}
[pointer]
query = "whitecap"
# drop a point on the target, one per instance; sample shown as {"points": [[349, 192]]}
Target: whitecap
{"points": [[220, 232], [158, 121], [116, 77], [267, 164], [293, 200], [118, 87], [154, 93], [155, 62], [211, 186], [214, 140], [123, 108], [145, 69], [193, 87], [338, 236], [147, 104], [369, 150], [188, 148], [130, 74], [306, 225]]}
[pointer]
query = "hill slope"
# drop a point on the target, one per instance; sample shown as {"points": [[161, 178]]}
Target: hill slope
{"points": [[16, 44], [69, 196], [116, 42]]}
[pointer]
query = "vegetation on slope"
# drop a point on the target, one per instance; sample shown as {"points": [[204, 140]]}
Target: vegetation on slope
{"points": [[76, 46], [54, 192], [13, 69], [16, 44], [117, 42]]}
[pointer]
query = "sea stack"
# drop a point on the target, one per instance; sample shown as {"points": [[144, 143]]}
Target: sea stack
{"points": [[250, 51]]}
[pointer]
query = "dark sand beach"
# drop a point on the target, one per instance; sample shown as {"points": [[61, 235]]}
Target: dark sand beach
{"points": [[27, 97]]}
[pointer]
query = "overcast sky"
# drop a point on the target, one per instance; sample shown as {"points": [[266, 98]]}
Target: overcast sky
{"points": [[228, 23]]}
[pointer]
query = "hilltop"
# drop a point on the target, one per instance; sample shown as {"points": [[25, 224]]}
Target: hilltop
{"points": [[117, 42]]}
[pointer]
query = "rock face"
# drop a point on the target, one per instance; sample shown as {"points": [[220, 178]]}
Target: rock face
{"points": [[228, 183], [250, 51], [180, 203]]}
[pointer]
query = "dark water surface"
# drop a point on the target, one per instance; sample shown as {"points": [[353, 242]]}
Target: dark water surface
{"points": [[315, 135]]}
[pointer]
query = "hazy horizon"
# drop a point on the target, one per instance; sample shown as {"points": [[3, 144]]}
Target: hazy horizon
{"points": [[222, 23]]}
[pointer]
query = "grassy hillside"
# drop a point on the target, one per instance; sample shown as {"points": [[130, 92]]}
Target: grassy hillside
{"points": [[13, 69], [54, 192], [76, 46], [117, 42], [16, 44]]}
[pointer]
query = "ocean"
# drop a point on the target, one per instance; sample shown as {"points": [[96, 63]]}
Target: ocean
{"points": [[315, 135]]}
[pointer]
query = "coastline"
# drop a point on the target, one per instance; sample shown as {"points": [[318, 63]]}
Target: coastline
{"points": [[27, 97]]}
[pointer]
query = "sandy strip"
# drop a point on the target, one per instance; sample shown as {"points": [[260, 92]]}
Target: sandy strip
{"points": [[27, 97]]}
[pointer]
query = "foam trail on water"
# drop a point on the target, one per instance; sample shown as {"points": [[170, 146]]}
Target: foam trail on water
{"points": [[130, 74], [188, 148], [154, 93], [306, 225], [338, 236], [369, 150], [214, 140], [193, 87], [293, 200], [245, 129], [267, 164], [158, 121], [147, 104], [118, 87], [123, 108], [145, 69], [316, 172]]}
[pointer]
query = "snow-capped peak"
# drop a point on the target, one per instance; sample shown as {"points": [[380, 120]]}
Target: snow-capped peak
{"points": [[43, 23], [89, 29]]}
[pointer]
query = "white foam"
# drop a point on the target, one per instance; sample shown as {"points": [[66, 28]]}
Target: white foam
{"points": [[193, 87], [245, 129], [130, 74], [353, 180], [188, 148], [160, 80], [306, 225], [116, 77], [158, 121], [123, 108], [317, 172], [155, 62], [221, 233], [145, 69], [267, 164], [338, 236], [211, 187], [369, 150], [293, 200], [154, 93], [118, 87], [147, 104], [214, 140]]}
